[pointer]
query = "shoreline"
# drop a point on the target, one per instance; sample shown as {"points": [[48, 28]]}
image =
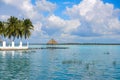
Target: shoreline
{"points": [[76, 44]]}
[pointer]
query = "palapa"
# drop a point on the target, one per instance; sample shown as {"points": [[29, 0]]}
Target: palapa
{"points": [[52, 41]]}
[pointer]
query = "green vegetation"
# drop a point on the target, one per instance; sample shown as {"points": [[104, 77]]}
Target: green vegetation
{"points": [[16, 28]]}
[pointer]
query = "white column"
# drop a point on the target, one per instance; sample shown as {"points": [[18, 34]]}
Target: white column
{"points": [[4, 43], [20, 43], [27, 44], [13, 44]]}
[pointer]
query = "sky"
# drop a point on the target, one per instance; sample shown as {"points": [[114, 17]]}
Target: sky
{"points": [[82, 21]]}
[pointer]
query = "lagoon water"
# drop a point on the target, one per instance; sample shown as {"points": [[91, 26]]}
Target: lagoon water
{"points": [[78, 62]]}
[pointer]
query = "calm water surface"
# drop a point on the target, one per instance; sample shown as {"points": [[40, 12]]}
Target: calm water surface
{"points": [[78, 62]]}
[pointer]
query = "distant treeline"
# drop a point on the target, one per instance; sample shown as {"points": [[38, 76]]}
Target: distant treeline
{"points": [[77, 44]]}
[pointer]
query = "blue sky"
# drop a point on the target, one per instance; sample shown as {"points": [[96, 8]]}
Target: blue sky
{"points": [[80, 21], [116, 3]]}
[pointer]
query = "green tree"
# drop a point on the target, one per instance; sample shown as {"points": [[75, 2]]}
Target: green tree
{"points": [[27, 27], [2, 29], [11, 30], [16, 28], [19, 29]]}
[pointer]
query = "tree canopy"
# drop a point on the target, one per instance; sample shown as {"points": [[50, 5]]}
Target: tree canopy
{"points": [[16, 28]]}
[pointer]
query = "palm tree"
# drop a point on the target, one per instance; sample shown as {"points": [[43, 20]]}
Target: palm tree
{"points": [[2, 29], [16, 28], [11, 30], [27, 27], [19, 29]]}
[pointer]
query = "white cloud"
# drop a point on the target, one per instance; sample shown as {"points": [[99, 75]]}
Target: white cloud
{"points": [[37, 26], [28, 10], [24, 6], [44, 5], [96, 18], [66, 26], [90, 19], [4, 17]]}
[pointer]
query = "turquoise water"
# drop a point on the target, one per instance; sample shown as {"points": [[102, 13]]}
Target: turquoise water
{"points": [[78, 62]]}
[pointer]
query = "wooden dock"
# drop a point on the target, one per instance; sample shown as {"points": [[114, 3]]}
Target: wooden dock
{"points": [[50, 48]]}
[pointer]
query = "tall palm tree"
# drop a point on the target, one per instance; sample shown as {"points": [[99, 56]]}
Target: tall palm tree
{"points": [[19, 29], [27, 27], [2, 29], [16, 28], [11, 30], [3, 32]]}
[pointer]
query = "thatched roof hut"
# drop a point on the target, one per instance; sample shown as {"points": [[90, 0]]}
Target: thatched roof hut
{"points": [[52, 41]]}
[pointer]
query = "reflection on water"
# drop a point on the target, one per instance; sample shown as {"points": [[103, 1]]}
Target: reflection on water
{"points": [[76, 63], [14, 66]]}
